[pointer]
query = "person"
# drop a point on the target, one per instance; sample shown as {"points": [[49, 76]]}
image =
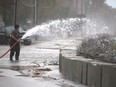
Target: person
{"points": [[14, 37]]}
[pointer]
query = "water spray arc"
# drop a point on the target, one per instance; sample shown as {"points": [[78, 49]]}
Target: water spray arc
{"points": [[70, 27]]}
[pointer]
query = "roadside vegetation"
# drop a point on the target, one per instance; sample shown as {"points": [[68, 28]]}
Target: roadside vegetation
{"points": [[100, 47]]}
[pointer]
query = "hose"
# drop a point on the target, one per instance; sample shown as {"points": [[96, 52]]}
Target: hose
{"points": [[9, 49]]}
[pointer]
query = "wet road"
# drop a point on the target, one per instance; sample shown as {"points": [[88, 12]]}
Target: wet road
{"points": [[40, 54], [43, 52], [10, 78]]}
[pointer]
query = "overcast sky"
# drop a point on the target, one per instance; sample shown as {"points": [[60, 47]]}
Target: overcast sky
{"points": [[111, 3]]}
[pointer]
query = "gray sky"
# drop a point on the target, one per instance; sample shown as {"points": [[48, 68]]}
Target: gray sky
{"points": [[111, 3]]}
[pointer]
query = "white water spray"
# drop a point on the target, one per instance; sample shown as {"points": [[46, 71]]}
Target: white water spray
{"points": [[70, 27]]}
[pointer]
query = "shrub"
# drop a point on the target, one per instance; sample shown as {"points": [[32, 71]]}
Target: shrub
{"points": [[101, 47]]}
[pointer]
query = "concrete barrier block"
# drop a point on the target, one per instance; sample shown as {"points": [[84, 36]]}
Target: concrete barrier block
{"points": [[109, 76], [84, 73], [69, 68], [64, 67], [72, 69], [94, 74], [77, 70], [85, 70]]}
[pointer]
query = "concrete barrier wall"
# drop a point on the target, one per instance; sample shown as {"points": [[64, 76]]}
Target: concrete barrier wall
{"points": [[109, 75], [94, 75], [87, 71], [84, 73]]}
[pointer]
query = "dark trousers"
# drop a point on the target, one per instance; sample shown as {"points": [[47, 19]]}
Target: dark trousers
{"points": [[15, 50]]}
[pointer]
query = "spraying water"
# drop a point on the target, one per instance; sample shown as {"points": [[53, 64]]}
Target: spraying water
{"points": [[70, 27]]}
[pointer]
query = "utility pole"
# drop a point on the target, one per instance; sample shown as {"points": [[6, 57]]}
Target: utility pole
{"points": [[35, 16], [35, 12], [15, 12]]}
